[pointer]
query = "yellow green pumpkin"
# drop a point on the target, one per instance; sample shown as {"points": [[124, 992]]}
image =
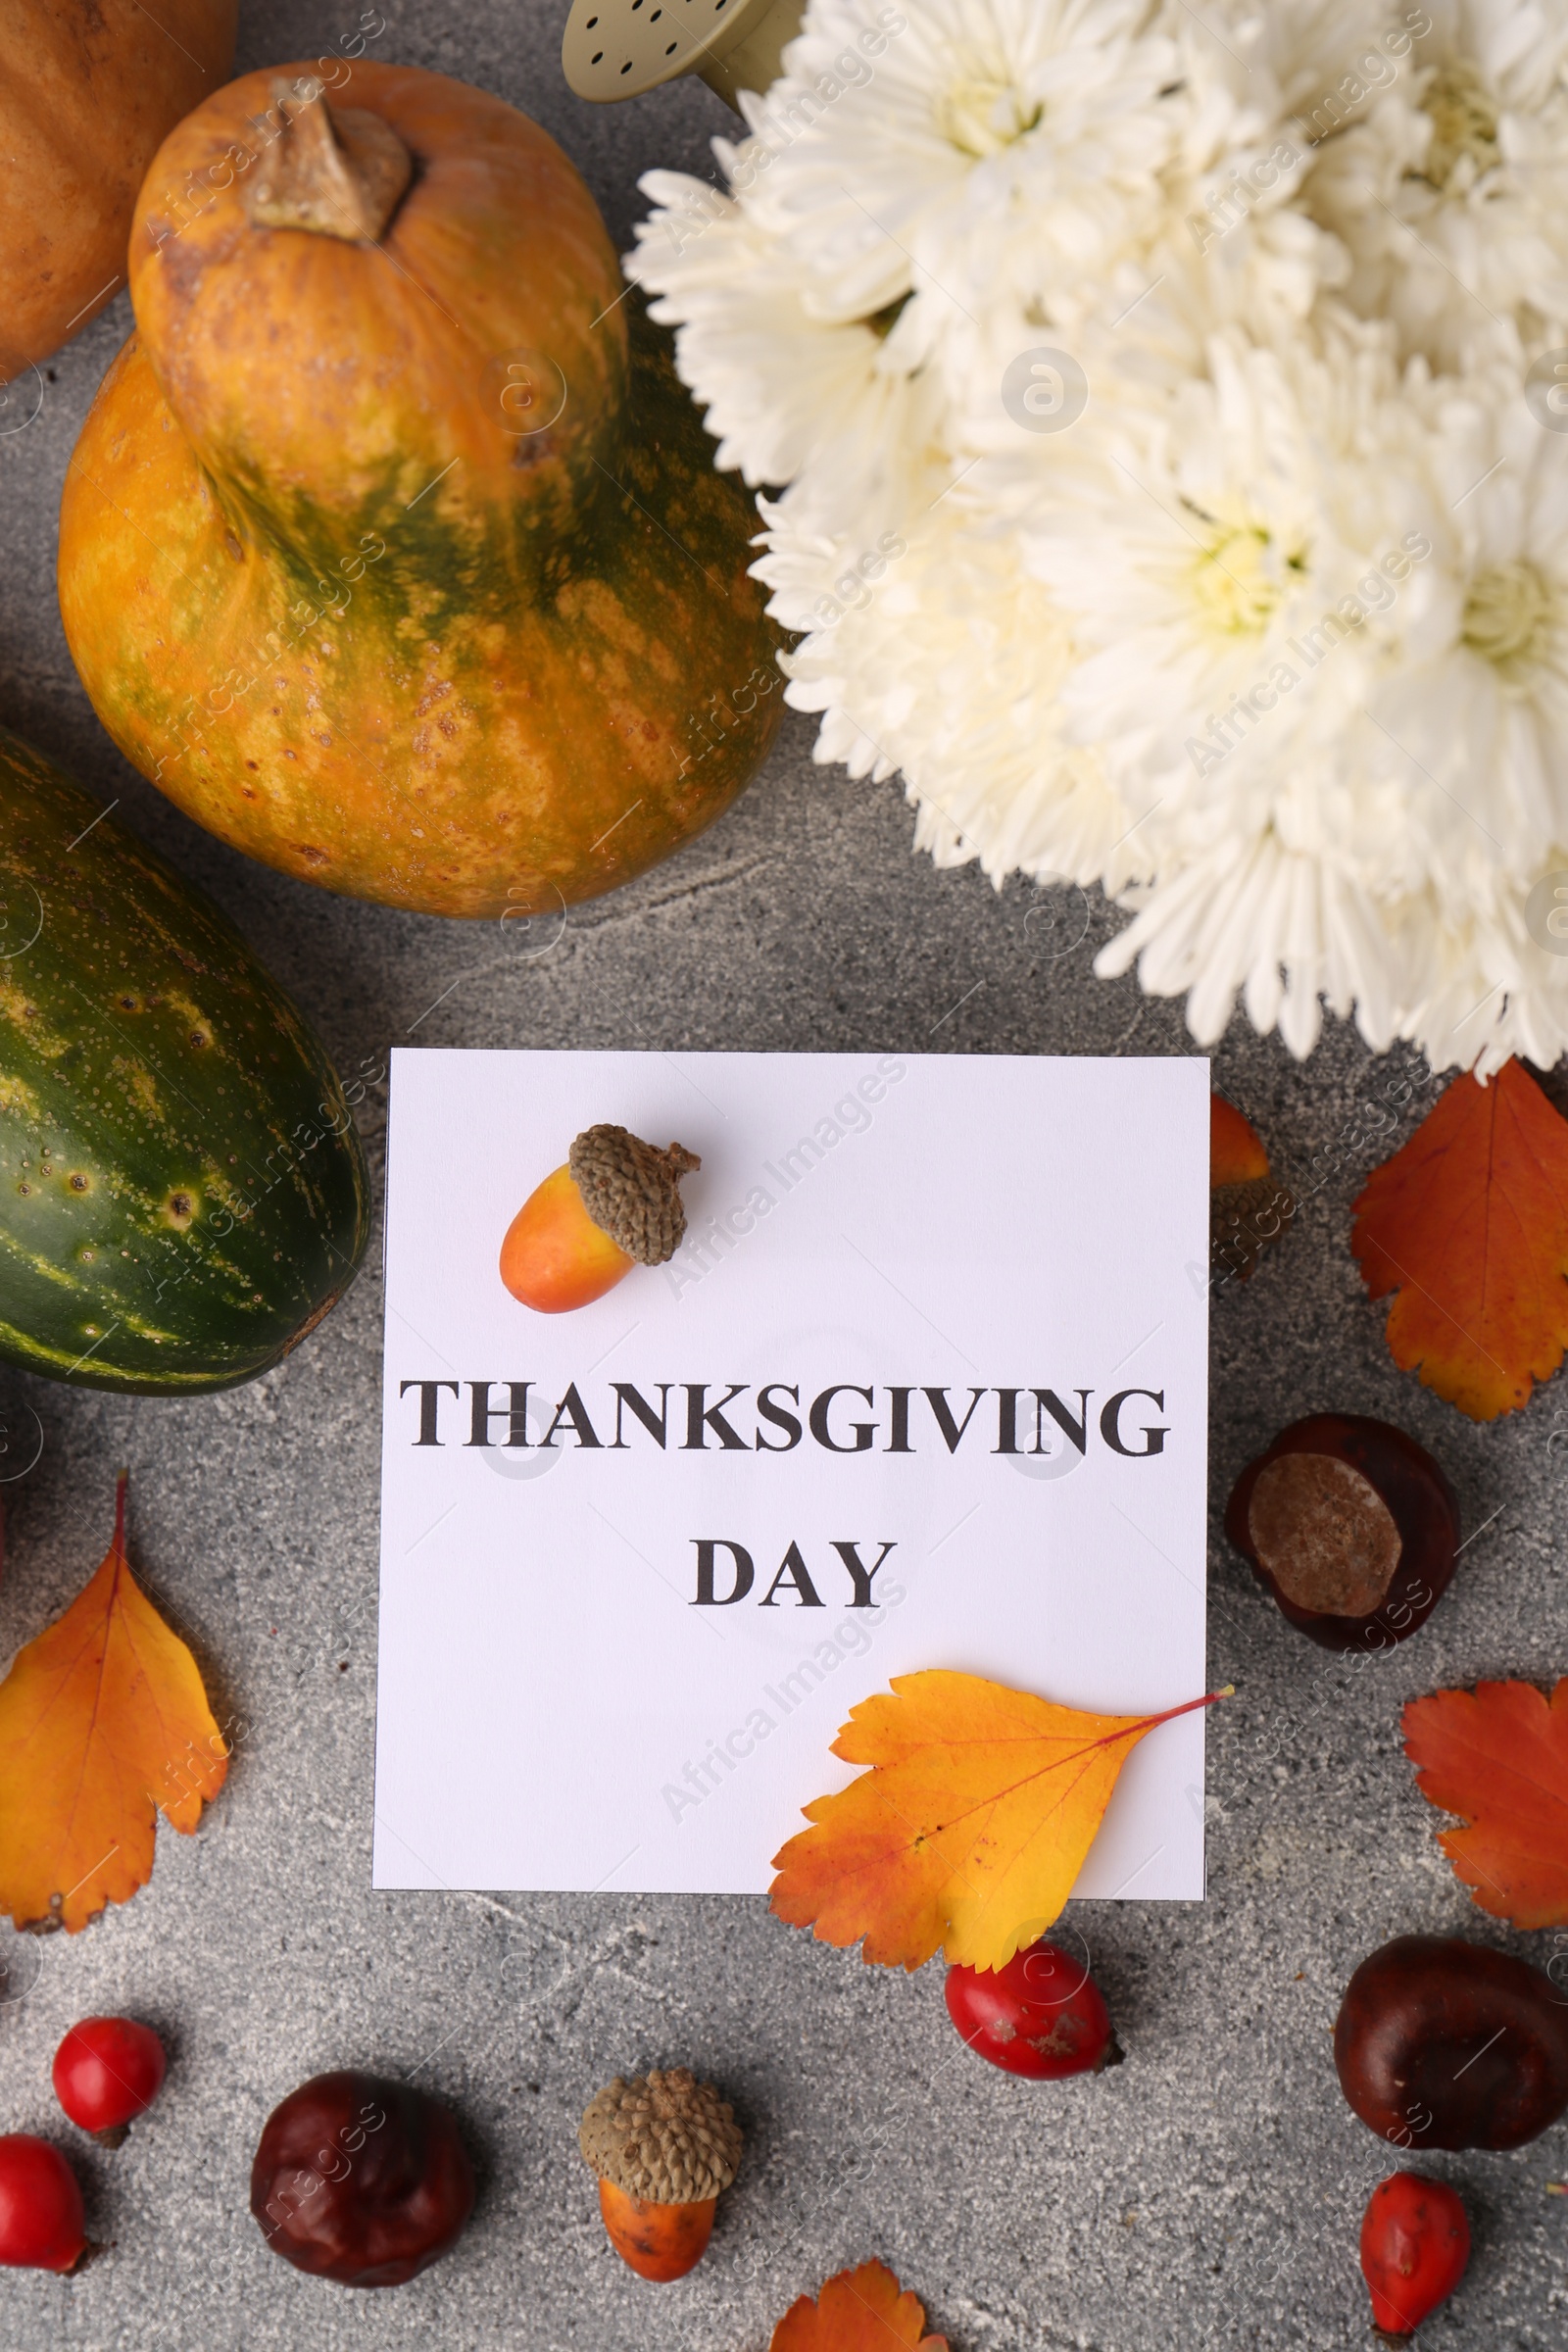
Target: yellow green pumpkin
{"points": [[392, 550]]}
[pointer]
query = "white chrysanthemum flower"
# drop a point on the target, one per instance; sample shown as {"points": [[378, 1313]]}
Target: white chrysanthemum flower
{"points": [[1481, 720], [786, 392], [995, 146], [1232, 567], [1156, 499], [1013, 147], [1197, 540], [1485, 989], [935, 654], [1449, 189], [1323, 633]]}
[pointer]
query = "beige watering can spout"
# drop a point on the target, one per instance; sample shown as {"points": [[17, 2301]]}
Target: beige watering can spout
{"points": [[619, 48]]}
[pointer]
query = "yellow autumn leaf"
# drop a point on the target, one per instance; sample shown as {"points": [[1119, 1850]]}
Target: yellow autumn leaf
{"points": [[969, 1829]]}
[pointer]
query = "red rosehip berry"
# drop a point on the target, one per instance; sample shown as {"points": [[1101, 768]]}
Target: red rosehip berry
{"points": [[1042, 2015], [42, 2226], [106, 2071], [1416, 2241]]}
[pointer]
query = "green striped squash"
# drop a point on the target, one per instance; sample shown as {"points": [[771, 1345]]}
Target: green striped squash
{"points": [[182, 1193]]}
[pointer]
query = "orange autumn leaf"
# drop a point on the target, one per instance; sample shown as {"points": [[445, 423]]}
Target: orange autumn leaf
{"points": [[968, 1831], [104, 1724], [856, 2311], [1236, 1154], [1247, 1208], [1497, 1757], [1468, 1224]]}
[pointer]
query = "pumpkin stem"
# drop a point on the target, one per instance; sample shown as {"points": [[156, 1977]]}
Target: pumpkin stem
{"points": [[338, 174]]}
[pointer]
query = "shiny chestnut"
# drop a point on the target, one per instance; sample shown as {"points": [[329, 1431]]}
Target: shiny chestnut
{"points": [[360, 2179], [1440, 2043], [1350, 1526]]}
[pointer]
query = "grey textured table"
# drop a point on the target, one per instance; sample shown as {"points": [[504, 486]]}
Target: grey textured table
{"points": [[1208, 2192]]}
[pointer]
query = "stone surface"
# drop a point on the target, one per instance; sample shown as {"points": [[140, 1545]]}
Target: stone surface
{"points": [[1208, 2192]]}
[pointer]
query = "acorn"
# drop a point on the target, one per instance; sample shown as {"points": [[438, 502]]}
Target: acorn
{"points": [[663, 2146], [615, 1204]]}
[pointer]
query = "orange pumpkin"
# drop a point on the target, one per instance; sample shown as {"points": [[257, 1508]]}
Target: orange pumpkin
{"points": [[392, 550], [87, 93]]}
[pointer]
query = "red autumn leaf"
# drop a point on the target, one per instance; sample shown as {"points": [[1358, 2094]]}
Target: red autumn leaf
{"points": [[1468, 1224], [857, 2310], [1497, 1757]]}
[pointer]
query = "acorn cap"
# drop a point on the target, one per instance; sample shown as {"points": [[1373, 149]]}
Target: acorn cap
{"points": [[631, 1190], [664, 2137]]}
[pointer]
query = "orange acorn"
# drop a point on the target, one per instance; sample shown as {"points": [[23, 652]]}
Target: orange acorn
{"points": [[663, 2146], [616, 1203]]}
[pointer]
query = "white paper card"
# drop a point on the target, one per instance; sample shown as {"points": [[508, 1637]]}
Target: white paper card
{"points": [[930, 1371]]}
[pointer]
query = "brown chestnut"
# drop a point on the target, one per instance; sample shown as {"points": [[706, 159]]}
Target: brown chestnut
{"points": [[360, 2179], [1353, 1528], [1440, 2043]]}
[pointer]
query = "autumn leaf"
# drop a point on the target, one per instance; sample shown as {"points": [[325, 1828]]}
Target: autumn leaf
{"points": [[1236, 1153], [857, 2310], [970, 1828], [104, 1724], [1468, 1224], [1497, 1757], [1247, 1208]]}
